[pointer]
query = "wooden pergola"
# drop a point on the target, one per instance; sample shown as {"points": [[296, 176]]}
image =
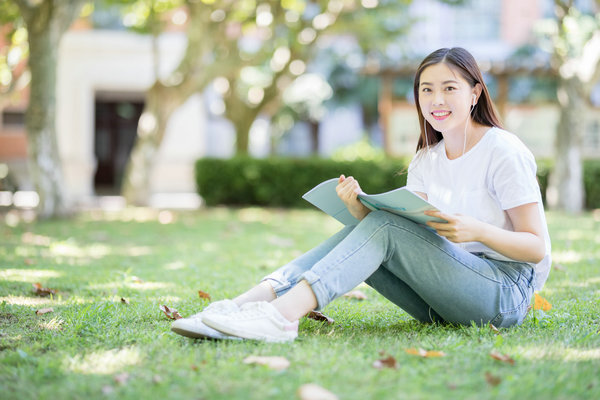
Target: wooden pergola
{"points": [[501, 71]]}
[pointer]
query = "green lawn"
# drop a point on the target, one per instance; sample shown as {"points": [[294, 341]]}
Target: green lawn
{"points": [[93, 345]]}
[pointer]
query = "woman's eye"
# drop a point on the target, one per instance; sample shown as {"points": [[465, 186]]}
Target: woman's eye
{"points": [[426, 90], [450, 88]]}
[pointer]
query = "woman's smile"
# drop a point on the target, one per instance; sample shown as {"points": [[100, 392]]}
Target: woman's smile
{"points": [[440, 115]]}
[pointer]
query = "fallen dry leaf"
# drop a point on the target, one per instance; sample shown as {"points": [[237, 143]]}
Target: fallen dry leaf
{"points": [[388, 362], [492, 379], [124, 300], [42, 291], [502, 357], [425, 354], [356, 294], [312, 391], [171, 313], [273, 362], [203, 295], [541, 303], [494, 329], [121, 378], [319, 316], [44, 310], [558, 267]]}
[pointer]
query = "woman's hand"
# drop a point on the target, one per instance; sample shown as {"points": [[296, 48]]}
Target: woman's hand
{"points": [[458, 228], [524, 243], [348, 190]]}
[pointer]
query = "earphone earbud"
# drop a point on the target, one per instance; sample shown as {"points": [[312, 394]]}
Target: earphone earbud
{"points": [[474, 99]]}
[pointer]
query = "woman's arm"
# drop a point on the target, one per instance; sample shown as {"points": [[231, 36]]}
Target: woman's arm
{"points": [[526, 243], [348, 190]]}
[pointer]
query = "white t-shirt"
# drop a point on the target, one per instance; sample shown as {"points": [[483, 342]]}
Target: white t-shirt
{"points": [[497, 174]]}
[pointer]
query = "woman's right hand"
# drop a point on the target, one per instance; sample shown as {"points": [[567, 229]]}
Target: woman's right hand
{"points": [[348, 190]]}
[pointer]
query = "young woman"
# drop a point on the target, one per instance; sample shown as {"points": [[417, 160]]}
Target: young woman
{"points": [[481, 265]]}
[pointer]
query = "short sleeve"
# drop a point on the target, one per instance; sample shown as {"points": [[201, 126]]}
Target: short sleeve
{"points": [[514, 180], [414, 181]]}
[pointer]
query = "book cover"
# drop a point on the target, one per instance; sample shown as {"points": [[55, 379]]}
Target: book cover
{"points": [[399, 201]]}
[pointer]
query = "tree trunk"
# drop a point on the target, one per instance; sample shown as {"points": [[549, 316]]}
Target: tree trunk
{"points": [[46, 23], [162, 99], [242, 136], [161, 102], [314, 137], [566, 189], [242, 117]]}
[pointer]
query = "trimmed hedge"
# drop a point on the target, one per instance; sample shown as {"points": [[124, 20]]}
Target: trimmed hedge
{"points": [[281, 182], [591, 182]]}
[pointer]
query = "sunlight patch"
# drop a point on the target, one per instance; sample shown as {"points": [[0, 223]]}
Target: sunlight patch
{"points": [[29, 301], [255, 214], [582, 355], [70, 249], [566, 257], [137, 251], [169, 299], [561, 354], [55, 324], [28, 275], [573, 284], [133, 285], [175, 265], [37, 240], [104, 362], [209, 246]]}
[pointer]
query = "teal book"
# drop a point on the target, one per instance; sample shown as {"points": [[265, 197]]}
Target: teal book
{"points": [[399, 201]]}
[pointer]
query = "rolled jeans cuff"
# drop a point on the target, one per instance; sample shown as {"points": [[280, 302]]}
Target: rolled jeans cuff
{"points": [[318, 288]]}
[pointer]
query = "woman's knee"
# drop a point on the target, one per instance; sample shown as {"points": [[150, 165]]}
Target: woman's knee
{"points": [[377, 217]]}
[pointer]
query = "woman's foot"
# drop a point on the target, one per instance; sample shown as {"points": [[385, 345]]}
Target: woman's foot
{"points": [[193, 326], [257, 320]]}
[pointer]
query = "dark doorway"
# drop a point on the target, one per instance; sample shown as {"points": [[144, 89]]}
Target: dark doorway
{"points": [[116, 129]]}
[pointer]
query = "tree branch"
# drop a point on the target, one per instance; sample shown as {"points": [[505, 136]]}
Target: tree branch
{"points": [[591, 59]]}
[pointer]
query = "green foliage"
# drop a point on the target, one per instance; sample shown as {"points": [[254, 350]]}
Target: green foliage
{"points": [[281, 182], [14, 49], [591, 180], [591, 183], [543, 174], [361, 150]]}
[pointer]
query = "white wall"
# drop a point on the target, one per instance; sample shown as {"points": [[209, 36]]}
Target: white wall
{"points": [[121, 62]]}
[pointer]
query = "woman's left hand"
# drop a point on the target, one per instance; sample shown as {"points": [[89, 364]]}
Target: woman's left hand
{"points": [[458, 228]]}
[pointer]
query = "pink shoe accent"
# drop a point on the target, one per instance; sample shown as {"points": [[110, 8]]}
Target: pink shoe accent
{"points": [[293, 326]]}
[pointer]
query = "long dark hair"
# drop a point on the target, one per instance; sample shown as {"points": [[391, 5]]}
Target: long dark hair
{"points": [[462, 61]]}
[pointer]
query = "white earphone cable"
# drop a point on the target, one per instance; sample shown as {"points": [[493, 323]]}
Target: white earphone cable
{"points": [[467, 123]]}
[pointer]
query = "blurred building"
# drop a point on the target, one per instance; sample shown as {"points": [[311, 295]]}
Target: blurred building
{"points": [[104, 73]]}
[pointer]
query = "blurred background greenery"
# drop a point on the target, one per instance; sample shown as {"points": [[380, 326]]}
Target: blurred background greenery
{"points": [[127, 98]]}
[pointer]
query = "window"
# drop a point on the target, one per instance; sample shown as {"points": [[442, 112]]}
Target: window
{"points": [[13, 119], [477, 19]]}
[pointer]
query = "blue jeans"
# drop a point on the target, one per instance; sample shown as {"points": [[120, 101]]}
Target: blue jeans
{"points": [[423, 273]]}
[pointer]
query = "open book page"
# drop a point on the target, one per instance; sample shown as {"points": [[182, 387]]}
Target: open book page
{"points": [[324, 197], [399, 201]]}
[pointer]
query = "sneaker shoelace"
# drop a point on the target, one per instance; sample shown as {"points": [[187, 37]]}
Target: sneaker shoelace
{"points": [[254, 310], [217, 307]]}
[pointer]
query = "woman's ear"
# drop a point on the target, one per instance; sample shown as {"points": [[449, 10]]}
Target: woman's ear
{"points": [[477, 90]]}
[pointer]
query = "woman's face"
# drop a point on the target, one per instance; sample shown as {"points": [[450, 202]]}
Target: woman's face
{"points": [[445, 98]]}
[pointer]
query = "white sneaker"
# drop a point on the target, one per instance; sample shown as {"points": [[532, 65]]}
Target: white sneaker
{"points": [[257, 320], [193, 326]]}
